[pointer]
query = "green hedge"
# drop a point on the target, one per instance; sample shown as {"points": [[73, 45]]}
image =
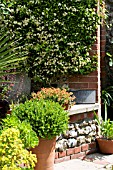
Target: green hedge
{"points": [[58, 35]]}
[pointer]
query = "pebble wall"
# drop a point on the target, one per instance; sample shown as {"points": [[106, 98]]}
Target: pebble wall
{"points": [[79, 139]]}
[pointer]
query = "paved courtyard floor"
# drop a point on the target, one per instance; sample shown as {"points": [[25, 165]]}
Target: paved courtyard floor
{"points": [[94, 161]]}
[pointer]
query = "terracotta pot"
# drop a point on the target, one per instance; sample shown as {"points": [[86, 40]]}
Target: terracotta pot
{"points": [[105, 146], [45, 153]]}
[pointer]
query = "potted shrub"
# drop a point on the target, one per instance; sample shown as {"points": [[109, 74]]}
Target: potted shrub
{"points": [[48, 119], [105, 139], [62, 96]]}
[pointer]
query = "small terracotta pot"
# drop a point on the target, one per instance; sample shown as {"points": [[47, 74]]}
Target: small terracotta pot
{"points": [[105, 146], [65, 106], [45, 153]]}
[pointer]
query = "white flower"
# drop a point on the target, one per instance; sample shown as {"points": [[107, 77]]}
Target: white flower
{"points": [[59, 4], [65, 13], [56, 20]]}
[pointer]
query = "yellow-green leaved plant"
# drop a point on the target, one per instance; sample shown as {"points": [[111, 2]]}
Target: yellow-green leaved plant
{"points": [[12, 153]]}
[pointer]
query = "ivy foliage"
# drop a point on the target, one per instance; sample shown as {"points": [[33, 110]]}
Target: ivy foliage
{"points": [[58, 35]]}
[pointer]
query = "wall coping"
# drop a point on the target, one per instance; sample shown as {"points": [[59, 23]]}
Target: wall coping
{"points": [[82, 108]]}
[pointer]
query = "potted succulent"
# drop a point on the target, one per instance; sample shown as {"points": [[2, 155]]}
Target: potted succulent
{"points": [[48, 119], [62, 96]]}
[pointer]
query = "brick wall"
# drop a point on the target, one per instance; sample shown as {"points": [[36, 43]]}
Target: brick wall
{"points": [[81, 116], [83, 81], [77, 152], [89, 81], [102, 54]]}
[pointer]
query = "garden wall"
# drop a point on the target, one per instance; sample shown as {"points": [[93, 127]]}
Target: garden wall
{"points": [[83, 114], [79, 140]]}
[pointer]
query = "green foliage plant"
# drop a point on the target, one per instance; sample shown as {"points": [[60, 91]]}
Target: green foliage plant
{"points": [[105, 127], [27, 135], [9, 55], [12, 152], [5, 88], [58, 35], [47, 118], [107, 97]]}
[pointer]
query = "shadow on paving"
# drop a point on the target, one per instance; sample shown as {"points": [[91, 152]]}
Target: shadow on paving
{"points": [[98, 158], [93, 161]]}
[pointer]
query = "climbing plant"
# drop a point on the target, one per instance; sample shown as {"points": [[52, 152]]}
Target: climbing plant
{"points": [[57, 35]]}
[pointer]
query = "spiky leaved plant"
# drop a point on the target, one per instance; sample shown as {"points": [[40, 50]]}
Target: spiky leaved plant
{"points": [[9, 55], [107, 97]]}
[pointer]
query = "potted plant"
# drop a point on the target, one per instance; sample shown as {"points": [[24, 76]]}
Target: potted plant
{"points": [[48, 119], [62, 96], [105, 139]]}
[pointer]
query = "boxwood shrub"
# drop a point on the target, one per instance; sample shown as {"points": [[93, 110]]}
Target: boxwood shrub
{"points": [[47, 118]]}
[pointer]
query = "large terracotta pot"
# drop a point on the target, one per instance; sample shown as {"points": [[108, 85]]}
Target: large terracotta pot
{"points": [[105, 146], [45, 153]]}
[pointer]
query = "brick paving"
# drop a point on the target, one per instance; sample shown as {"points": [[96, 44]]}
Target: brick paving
{"points": [[94, 161]]}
